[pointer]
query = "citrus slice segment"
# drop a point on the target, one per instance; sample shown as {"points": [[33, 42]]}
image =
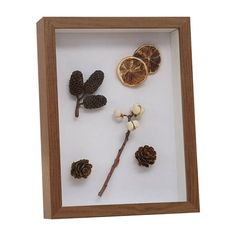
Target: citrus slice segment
{"points": [[132, 71], [150, 55]]}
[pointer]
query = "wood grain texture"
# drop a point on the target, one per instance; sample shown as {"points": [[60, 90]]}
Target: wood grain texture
{"points": [[188, 115], [49, 119], [50, 122]]}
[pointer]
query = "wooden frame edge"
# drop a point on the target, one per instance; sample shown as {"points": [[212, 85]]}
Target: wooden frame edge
{"points": [[188, 114], [115, 22], [49, 118], [125, 210], [50, 127]]}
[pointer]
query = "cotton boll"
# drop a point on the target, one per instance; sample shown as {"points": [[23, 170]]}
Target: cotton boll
{"points": [[142, 111], [136, 124], [117, 114], [132, 125], [136, 109]]}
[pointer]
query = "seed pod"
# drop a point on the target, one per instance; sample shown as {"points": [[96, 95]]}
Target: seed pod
{"points": [[146, 156], [76, 83], [94, 82], [137, 110], [132, 125], [94, 101], [117, 114], [81, 169]]}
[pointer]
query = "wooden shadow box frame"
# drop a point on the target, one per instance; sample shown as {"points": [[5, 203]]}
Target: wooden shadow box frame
{"points": [[50, 138]]}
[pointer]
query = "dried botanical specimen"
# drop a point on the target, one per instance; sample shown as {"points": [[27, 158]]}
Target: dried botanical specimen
{"points": [[151, 57], [94, 101], [136, 111], [145, 155], [83, 91], [81, 169], [132, 71]]}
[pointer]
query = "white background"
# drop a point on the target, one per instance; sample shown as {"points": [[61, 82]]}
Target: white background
{"points": [[214, 49], [95, 135]]}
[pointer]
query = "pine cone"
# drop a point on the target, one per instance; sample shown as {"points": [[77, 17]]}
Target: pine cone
{"points": [[146, 156], [76, 83], [94, 82], [81, 169], [94, 101]]}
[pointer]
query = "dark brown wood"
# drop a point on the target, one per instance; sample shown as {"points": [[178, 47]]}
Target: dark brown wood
{"points": [[50, 126]]}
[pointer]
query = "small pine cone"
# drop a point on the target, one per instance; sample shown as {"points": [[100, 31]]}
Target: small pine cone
{"points": [[76, 83], [94, 101], [145, 155], [81, 169], [94, 82]]}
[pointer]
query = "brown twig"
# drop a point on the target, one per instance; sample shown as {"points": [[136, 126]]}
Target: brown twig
{"points": [[115, 164], [77, 107], [78, 104], [117, 159]]}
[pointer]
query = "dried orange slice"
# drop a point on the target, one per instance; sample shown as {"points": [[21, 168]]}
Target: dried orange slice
{"points": [[132, 71], [150, 55]]}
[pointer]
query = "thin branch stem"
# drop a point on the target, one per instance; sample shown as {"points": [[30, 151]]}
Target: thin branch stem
{"points": [[115, 164], [77, 107], [82, 96], [117, 159], [78, 104]]}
